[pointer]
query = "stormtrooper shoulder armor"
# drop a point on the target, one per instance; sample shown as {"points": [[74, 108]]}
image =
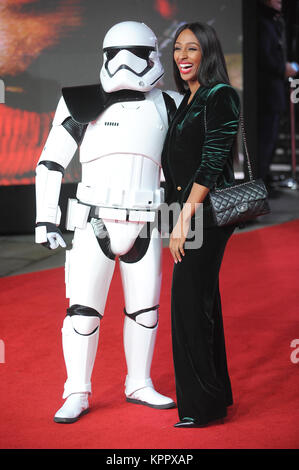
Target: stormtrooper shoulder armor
{"points": [[85, 103], [61, 113], [165, 104], [171, 106], [177, 97]]}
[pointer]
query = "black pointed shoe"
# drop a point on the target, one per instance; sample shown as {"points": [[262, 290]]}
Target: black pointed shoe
{"points": [[188, 423]]}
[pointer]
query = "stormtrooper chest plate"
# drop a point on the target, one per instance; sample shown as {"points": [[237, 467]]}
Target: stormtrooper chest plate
{"points": [[134, 128]]}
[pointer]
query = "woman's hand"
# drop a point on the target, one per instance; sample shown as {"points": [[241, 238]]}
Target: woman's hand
{"points": [[181, 229], [178, 238]]}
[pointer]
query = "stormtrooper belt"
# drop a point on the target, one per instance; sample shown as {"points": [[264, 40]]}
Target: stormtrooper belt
{"points": [[78, 214]]}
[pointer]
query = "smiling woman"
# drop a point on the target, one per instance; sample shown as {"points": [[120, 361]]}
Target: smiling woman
{"points": [[197, 156], [187, 56], [203, 51]]}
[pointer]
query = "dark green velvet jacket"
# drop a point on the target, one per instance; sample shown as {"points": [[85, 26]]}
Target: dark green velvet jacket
{"points": [[193, 154]]}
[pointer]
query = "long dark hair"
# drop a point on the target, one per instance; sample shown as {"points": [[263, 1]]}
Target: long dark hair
{"points": [[212, 69]]}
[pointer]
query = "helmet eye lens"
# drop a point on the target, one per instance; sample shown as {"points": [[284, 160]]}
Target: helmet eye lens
{"points": [[111, 52], [142, 52], [139, 51]]}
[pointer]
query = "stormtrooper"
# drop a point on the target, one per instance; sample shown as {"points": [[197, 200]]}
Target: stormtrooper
{"points": [[119, 126]]}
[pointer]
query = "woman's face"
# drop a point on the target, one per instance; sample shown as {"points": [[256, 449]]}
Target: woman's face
{"points": [[187, 55]]}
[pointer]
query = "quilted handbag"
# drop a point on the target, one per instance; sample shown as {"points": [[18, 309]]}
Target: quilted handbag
{"points": [[242, 201]]}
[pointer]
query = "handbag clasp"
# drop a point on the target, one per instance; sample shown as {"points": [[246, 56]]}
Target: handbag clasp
{"points": [[243, 207]]}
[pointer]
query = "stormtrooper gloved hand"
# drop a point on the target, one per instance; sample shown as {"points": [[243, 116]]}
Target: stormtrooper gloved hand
{"points": [[51, 234]]}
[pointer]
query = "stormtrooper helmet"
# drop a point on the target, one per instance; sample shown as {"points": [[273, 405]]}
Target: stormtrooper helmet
{"points": [[131, 58]]}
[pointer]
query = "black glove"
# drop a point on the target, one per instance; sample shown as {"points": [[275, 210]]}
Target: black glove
{"points": [[54, 236]]}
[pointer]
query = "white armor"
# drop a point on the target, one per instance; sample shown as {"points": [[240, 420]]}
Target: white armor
{"points": [[121, 172], [120, 155]]}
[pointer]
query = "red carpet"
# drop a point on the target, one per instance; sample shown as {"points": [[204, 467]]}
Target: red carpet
{"points": [[259, 282]]}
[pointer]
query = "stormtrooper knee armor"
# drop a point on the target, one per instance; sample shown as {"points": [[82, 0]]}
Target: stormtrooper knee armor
{"points": [[119, 126], [139, 353], [80, 335]]}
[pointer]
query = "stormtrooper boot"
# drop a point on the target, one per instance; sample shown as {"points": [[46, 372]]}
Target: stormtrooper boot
{"points": [[139, 342], [73, 408], [80, 341]]}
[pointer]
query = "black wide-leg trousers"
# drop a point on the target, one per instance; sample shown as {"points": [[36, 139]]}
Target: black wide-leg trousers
{"points": [[202, 381]]}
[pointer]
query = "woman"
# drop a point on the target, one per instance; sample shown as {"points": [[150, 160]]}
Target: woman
{"points": [[197, 155]]}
